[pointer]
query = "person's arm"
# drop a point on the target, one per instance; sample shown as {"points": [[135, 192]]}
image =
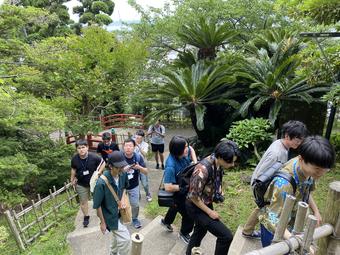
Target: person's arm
{"points": [[150, 131], [315, 209], [102, 220], [162, 133], [199, 203], [141, 169], [193, 155], [73, 177], [169, 187], [122, 205]]}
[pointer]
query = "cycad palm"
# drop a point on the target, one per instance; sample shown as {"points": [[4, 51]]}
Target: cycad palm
{"points": [[206, 35], [194, 88], [271, 73]]}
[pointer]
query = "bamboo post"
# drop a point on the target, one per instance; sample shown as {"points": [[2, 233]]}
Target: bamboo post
{"points": [[14, 230], [308, 234], [68, 194], [331, 214], [284, 218], [300, 217], [55, 197], [137, 242], [36, 216], [25, 222], [334, 242], [196, 251], [17, 220], [54, 206], [41, 210]]}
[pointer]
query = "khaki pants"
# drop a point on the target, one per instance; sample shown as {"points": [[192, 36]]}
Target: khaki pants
{"points": [[253, 219]]}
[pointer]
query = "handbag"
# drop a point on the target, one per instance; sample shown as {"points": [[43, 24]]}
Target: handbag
{"points": [[125, 213], [165, 198]]}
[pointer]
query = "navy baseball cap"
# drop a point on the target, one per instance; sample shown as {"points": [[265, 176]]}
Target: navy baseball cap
{"points": [[117, 159]]}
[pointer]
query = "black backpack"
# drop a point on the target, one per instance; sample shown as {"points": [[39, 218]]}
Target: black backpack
{"points": [[262, 182], [183, 177]]}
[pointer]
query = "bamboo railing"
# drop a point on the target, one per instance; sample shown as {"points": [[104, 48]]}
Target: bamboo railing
{"points": [[329, 233], [31, 222]]}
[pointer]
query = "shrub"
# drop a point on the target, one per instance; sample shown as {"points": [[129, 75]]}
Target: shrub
{"points": [[249, 133], [335, 141]]}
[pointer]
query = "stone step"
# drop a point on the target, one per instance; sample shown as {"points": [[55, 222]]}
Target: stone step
{"points": [[241, 245]]}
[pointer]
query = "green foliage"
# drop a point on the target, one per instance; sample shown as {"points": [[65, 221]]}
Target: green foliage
{"points": [[271, 73], [249, 133], [193, 88], [3, 236], [94, 12], [335, 141]]}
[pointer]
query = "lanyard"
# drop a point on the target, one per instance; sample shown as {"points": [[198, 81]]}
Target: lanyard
{"points": [[308, 183], [84, 166]]}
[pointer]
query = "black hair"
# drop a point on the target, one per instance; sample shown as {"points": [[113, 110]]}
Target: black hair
{"points": [[81, 142], [226, 150], [317, 151], [177, 145], [106, 136], [130, 140], [140, 133], [294, 129]]}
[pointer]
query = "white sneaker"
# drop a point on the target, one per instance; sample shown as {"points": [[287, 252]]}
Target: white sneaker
{"points": [[148, 198]]}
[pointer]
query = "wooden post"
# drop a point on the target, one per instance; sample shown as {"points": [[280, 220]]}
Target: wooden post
{"points": [[42, 210], [300, 217], [25, 223], [331, 214], [308, 234], [36, 216], [334, 242], [68, 195], [284, 218], [14, 230], [196, 251], [55, 197], [54, 206], [137, 242]]}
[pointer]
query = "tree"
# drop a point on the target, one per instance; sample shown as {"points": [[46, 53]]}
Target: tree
{"points": [[95, 12], [206, 35], [195, 89], [271, 72]]}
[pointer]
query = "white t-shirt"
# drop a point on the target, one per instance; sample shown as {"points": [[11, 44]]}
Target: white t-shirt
{"points": [[157, 138], [143, 146]]}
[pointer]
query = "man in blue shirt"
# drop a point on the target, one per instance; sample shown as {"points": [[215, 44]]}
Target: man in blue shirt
{"points": [[137, 166]]}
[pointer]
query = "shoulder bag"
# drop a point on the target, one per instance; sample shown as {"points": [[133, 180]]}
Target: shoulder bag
{"points": [[165, 198], [125, 213]]}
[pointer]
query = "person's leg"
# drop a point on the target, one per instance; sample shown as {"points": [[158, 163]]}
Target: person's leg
{"points": [[252, 220], [134, 202], [196, 237], [161, 154], [123, 240], [170, 215], [223, 234], [84, 194], [145, 183], [187, 221], [154, 149], [266, 236]]}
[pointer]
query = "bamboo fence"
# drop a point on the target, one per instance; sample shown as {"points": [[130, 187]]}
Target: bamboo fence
{"points": [[33, 221]]}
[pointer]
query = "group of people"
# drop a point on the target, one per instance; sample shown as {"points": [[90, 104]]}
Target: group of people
{"points": [[127, 168]]}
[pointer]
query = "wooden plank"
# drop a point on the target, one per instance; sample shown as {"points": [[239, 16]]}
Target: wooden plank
{"points": [[308, 234]]}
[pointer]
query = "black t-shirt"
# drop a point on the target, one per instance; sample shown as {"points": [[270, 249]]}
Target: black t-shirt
{"points": [[85, 167], [105, 150], [133, 175]]}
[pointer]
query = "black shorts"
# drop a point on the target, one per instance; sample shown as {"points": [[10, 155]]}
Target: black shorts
{"points": [[157, 147]]}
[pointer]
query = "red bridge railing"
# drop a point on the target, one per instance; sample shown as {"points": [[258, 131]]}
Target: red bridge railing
{"points": [[122, 121]]}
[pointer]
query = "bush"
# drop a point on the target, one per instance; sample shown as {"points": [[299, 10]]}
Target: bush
{"points": [[335, 141], [249, 133]]}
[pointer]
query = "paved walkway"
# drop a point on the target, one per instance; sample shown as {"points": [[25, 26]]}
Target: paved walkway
{"points": [[85, 241]]}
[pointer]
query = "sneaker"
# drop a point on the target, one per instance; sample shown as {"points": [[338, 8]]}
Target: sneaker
{"points": [[149, 198], [162, 166], [136, 223], [157, 166], [185, 238], [167, 226], [254, 235], [86, 221]]}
